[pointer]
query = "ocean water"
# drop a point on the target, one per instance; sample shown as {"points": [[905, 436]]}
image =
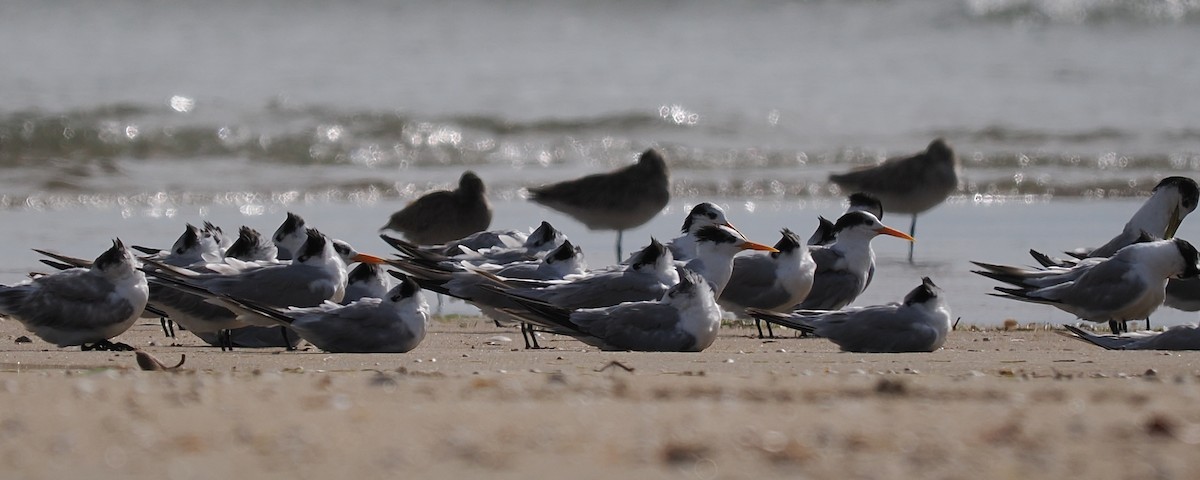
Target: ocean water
{"points": [[129, 118]]}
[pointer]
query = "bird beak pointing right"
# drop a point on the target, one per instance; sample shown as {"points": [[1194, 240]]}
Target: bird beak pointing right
{"points": [[758, 246], [896, 233]]}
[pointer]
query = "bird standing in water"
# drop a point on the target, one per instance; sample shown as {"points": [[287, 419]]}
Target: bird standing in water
{"points": [[617, 200], [911, 184]]}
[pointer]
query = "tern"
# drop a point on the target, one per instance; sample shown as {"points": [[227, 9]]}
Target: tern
{"points": [[366, 281], [844, 269], [393, 323], [290, 236], [444, 215], [685, 319], [920, 323], [619, 200], [775, 281], [251, 246], [1181, 337], [1169, 203], [911, 184], [534, 246], [1127, 286], [81, 306], [465, 281], [316, 275], [859, 202], [683, 247]]}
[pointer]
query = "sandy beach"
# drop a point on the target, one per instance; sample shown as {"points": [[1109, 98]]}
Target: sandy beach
{"points": [[470, 402]]}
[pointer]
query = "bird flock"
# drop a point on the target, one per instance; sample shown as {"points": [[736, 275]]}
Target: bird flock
{"points": [[297, 284]]}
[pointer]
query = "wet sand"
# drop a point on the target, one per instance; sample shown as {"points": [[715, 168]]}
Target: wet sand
{"points": [[467, 403]]}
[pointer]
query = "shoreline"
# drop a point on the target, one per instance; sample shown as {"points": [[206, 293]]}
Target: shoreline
{"points": [[991, 404]]}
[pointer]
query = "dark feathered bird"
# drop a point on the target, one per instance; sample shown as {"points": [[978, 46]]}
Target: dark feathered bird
{"points": [[445, 215], [617, 200]]}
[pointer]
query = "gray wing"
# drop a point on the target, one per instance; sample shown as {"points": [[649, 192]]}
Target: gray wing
{"points": [[603, 290], [753, 284], [1102, 289], [283, 286], [881, 328], [359, 327], [70, 299], [833, 287], [641, 327], [1183, 337]]}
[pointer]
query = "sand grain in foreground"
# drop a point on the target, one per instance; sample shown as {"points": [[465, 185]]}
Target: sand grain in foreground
{"points": [[1022, 404]]}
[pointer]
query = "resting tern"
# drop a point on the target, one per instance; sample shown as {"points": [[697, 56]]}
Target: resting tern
{"points": [[911, 184], [543, 239], [444, 215], [251, 246], [844, 268], [290, 236], [392, 323], [316, 275], [366, 281], [81, 306], [685, 319], [919, 324], [618, 200], [1181, 337], [1130, 285]]}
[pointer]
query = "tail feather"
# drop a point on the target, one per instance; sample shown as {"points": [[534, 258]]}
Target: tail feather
{"points": [[73, 261], [1048, 261], [537, 312], [1099, 341], [782, 319], [145, 250]]}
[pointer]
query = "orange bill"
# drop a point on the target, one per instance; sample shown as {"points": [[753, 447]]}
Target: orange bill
{"points": [[758, 246], [896, 233], [364, 258]]}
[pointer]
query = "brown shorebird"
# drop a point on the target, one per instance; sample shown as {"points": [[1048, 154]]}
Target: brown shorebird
{"points": [[618, 200], [444, 215], [910, 184]]}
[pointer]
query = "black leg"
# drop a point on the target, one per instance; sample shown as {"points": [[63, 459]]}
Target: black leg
{"points": [[912, 232], [225, 339], [620, 234], [168, 326], [1147, 323], [106, 346], [287, 342]]}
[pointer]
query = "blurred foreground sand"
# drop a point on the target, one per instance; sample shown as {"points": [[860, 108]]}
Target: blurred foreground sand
{"points": [[468, 404]]}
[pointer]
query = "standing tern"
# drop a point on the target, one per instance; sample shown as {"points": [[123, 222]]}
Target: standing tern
{"points": [[775, 281], [445, 215], [392, 323], [683, 248], [464, 281], [685, 319], [911, 184], [617, 200], [1181, 337], [919, 324], [715, 248], [859, 202], [81, 306], [1129, 285], [1169, 203], [844, 269]]}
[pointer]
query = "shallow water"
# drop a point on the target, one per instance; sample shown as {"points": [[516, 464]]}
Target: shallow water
{"points": [[129, 118]]}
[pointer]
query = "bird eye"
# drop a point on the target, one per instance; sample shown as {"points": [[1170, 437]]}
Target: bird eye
{"points": [[279, 238], [303, 258]]}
